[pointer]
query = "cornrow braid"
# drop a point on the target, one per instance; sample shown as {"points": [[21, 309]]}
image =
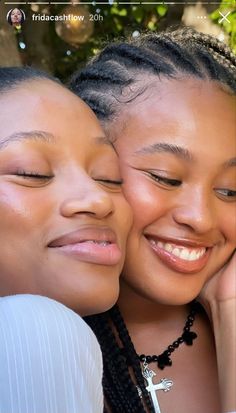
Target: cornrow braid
{"points": [[218, 49], [115, 77]]}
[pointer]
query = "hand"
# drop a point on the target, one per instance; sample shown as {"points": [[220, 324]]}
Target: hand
{"points": [[218, 297], [221, 287]]}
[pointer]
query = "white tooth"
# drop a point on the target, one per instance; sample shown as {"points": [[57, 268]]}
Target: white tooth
{"points": [[184, 254], [160, 244], [103, 243], [202, 252], [168, 247], [193, 256], [152, 242], [176, 252]]}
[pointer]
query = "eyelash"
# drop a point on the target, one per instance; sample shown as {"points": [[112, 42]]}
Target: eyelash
{"points": [[165, 181], [226, 193], [34, 175], [110, 182]]}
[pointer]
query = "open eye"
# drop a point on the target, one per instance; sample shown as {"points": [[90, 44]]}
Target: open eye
{"points": [[164, 181], [226, 194]]}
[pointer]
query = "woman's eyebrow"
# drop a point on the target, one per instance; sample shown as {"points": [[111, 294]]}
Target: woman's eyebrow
{"points": [[160, 147], [20, 136]]}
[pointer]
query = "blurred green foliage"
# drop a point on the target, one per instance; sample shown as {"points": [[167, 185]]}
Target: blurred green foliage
{"points": [[120, 21], [228, 24], [117, 21]]}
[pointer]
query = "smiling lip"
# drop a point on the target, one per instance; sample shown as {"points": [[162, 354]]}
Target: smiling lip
{"points": [[95, 245], [185, 257]]}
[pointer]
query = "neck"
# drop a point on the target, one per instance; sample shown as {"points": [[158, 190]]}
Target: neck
{"points": [[147, 318], [136, 308]]}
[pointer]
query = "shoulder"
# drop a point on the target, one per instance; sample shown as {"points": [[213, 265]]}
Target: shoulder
{"points": [[33, 316]]}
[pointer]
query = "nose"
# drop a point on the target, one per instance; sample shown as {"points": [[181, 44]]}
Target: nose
{"points": [[86, 197], [196, 211]]}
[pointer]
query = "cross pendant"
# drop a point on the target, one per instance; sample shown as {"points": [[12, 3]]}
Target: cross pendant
{"points": [[164, 384]]}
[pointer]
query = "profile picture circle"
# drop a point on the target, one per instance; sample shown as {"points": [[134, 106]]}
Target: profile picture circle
{"points": [[16, 17]]}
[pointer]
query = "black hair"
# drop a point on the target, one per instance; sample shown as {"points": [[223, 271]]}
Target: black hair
{"points": [[10, 77], [111, 80], [10, 13], [121, 66], [121, 391]]}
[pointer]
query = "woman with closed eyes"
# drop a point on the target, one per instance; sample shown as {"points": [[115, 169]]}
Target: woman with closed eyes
{"points": [[63, 230], [167, 103]]}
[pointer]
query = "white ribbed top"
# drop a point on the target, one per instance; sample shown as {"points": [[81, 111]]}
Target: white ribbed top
{"points": [[50, 361]]}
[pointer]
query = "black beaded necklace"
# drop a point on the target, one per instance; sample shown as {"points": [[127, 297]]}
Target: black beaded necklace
{"points": [[148, 392], [186, 337]]}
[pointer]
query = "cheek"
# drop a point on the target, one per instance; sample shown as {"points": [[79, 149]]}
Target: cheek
{"points": [[13, 205], [227, 224], [122, 218], [125, 215], [21, 209], [148, 202]]}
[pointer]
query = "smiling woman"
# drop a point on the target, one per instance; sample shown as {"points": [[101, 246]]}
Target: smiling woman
{"points": [[60, 174], [167, 102], [64, 223]]}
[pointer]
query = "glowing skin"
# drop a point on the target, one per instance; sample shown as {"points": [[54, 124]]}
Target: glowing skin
{"points": [[183, 204], [176, 153], [64, 220], [16, 16]]}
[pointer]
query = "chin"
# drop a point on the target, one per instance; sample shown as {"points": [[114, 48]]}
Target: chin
{"points": [[168, 293], [98, 302], [177, 300], [182, 295]]}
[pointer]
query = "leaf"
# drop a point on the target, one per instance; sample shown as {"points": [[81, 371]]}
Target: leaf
{"points": [[162, 10], [152, 26], [118, 12], [215, 15], [123, 12]]}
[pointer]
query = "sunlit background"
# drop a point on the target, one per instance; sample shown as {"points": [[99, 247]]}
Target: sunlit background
{"points": [[62, 46]]}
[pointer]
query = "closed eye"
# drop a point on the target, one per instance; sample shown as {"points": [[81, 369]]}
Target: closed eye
{"points": [[32, 175], [110, 182]]}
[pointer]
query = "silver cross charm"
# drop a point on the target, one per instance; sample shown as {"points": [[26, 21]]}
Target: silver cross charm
{"points": [[164, 384]]}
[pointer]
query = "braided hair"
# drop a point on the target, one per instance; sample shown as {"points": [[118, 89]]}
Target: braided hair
{"points": [[115, 77]]}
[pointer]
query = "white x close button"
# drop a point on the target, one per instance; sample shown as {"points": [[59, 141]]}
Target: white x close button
{"points": [[224, 17]]}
